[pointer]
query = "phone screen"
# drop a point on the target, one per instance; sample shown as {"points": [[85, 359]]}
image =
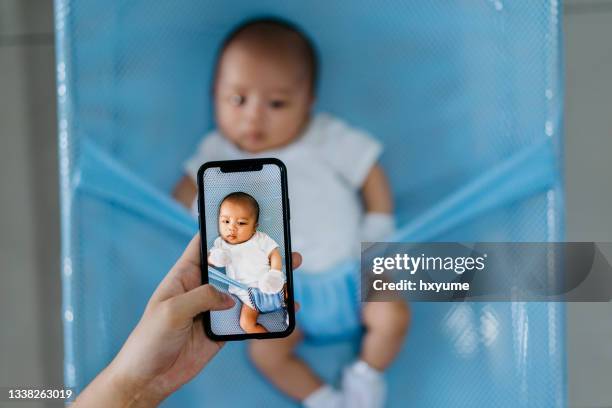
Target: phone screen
{"points": [[244, 224]]}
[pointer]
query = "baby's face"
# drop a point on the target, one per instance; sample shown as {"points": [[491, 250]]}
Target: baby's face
{"points": [[262, 99], [236, 222]]}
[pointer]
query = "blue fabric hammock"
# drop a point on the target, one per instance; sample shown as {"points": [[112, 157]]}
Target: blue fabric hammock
{"points": [[465, 97], [263, 302]]}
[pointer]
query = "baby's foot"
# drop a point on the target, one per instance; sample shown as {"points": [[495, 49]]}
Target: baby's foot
{"points": [[324, 397], [363, 386]]}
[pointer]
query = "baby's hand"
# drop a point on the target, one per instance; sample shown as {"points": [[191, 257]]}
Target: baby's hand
{"points": [[272, 281], [219, 257]]}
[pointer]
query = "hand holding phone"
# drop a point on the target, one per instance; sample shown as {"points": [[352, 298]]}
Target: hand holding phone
{"points": [[244, 224], [160, 350]]}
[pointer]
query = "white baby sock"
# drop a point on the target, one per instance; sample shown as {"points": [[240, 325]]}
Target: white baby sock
{"points": [[363, 386], [324, 397]]}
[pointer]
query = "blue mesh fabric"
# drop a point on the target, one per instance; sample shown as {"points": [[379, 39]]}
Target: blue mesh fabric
{"points": [[466, 98]]}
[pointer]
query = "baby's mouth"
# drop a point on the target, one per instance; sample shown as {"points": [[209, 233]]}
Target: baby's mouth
{"points": [[254, 137]]}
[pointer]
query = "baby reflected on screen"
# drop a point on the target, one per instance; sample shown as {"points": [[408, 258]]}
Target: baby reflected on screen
{"points": [[250, 257]]}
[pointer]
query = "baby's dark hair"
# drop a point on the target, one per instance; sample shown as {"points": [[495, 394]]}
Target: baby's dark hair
{"points": [[273, 26], [241, 197]]}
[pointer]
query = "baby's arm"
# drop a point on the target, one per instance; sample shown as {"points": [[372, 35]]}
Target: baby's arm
{"points": [[185, 191], [275, 260], [273, 280], [378, 222], [218, 256], [376, 192]]}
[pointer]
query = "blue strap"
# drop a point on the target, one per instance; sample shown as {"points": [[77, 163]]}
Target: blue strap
{"points": [[223, 278]]}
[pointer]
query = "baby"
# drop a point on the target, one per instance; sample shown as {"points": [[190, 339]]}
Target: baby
{"points": [[251, 256], [264, 90]]}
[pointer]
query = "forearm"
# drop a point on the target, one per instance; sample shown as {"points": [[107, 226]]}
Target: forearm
{"points": [[376, 192], [109, 389], [378, 222], [275, 260]]}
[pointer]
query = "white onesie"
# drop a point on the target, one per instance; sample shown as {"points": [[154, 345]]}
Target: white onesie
{"points": [[249, 261], [326, 168]]}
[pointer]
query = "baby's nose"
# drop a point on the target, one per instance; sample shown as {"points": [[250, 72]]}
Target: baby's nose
{"points": [[254, 112]]}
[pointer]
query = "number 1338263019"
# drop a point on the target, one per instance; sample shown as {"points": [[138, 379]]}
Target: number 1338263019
{"points": [[25, 393]]}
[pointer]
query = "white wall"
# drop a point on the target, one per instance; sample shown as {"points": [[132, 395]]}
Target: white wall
{"points": [[30, 336], [588, 121]]}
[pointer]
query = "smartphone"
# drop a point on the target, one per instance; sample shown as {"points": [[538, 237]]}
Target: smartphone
{"points": [[244, 217]]}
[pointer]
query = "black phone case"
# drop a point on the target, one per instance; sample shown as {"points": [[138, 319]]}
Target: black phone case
{"points": [[242, 166]]}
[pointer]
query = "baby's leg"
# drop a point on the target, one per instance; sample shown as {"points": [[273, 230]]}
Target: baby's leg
{"points": [[386, 326], [276, 360], [248, 320]]}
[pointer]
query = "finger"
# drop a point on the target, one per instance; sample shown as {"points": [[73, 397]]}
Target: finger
{"points": [[186, 268], [296, 259], [192, 252], [198, 300], [202, 337]]}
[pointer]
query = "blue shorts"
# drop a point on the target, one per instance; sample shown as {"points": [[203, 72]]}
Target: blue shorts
{"points": [[330, 304]]}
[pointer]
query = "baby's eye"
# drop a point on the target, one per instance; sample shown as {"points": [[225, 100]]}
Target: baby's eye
{"points": [[242, 223], [278, 104], [237, 100]]}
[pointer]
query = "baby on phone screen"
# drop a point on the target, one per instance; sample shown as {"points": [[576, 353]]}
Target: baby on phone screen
{"points": [[251, 257]]}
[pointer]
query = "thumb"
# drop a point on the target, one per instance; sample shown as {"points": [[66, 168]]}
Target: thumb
{"points": [[201, 299]]}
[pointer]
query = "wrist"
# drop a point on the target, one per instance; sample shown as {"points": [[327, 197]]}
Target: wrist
{"points": [[272, 281], [377, 226], [106, 390], [129, 391]]}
